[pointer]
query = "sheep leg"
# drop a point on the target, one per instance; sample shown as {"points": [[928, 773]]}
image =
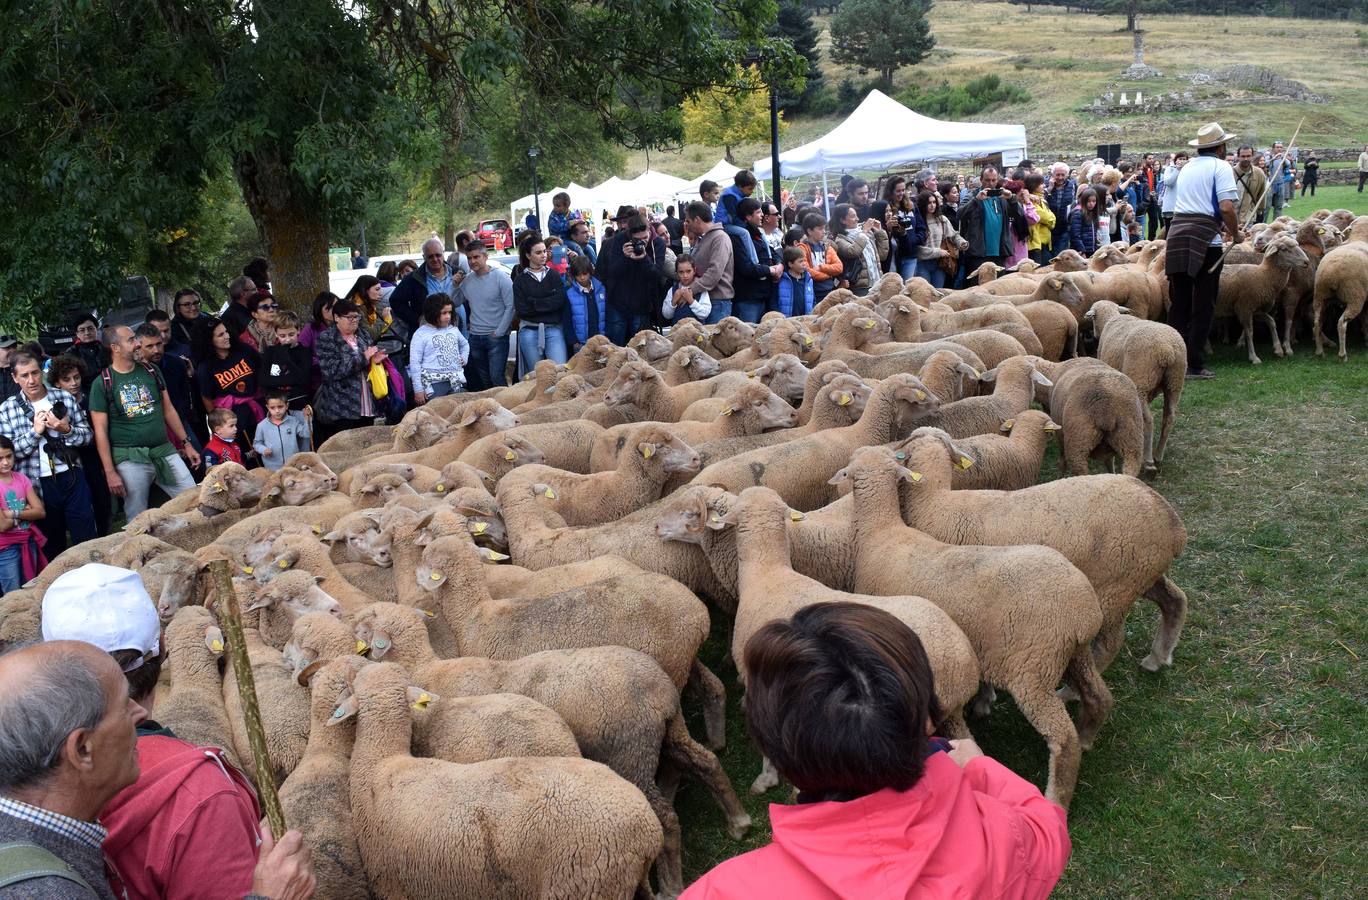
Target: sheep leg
{"points": [[1273, 333], [1109, 640], [982, 704], [1173, 389], [1046, 713], [669, 865], [667, 779], [1344, 334], [768, 777], [1249, 336], [954, 727], [1093, 694], [1172, 603], [713, 695], [1149, 440], [1317, 309], [689, 756], [1289, 328], [1079, 440]]}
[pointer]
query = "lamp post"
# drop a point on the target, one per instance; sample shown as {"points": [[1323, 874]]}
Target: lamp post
{"points": [[532, 154], [755, 59]]}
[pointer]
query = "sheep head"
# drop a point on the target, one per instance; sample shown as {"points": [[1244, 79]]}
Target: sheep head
{"points": [[421, 429], [909, 391], [732, 336], [1069, 261], [849, 393], [513, 451], [362, 538], [628, 384], [157, 523], [651, 345], [1063, 290], [1285, 253], [760, 408], [308, 461], [593, 355], [380, 489], [955, 454], [453, 555], [660, 448], [485, 416], [319, 636], [386, 627], [568, 387], [785, 375], [456, 472], [689, 513], [297, 592], [227, 486], [695, 363], [289, 486], [171, 578], [378, 690]]}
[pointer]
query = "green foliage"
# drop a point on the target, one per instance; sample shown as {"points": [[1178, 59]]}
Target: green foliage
{"points": [[848, 96], [794, 24], [730, 114], [1298, 9], [946, 101], [881, 35], [569, 147]]}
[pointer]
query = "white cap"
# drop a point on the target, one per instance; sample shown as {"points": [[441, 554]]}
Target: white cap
{"points": [[105, 606]]}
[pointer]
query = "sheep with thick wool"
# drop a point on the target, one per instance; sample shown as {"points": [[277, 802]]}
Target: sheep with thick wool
{"points": [[622, 709], [523, 827], [193, 705], [1102, 416], [1028, 613], [1248, 291], [1013, 389], [1151, 354]]}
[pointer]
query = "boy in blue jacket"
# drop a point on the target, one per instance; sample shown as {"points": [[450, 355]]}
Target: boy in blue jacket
{"points": [[584, 299], [794, 296]]}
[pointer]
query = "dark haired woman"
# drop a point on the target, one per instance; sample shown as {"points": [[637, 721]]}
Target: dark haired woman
{"points": [[841, 700], [938, 230], [345, 353], [226, 373], [539, 300]]}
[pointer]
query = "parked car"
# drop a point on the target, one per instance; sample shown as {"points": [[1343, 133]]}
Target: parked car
{"points": [[497, 234], [136, 299]]}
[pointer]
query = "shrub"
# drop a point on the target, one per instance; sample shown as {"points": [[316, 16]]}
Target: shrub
{"points": [[961, 100], [848, 96]]}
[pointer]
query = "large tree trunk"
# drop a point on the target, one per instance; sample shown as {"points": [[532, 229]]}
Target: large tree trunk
{"points": [[293, 228]]}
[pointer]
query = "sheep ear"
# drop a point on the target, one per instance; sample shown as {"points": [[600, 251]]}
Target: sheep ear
{"points": [[840, 476], [419, 698], [380, 644], [1056, 283], [261, 603], [908, 475], [729, 410], [368, 489], [718, 521], [1007, 426], [966, 370], [988, 376], [544, 490], [842, 398], [470, 419], [507, 454], [213, 638], [332, 537], [477, 528], [1051, 425], [550, 390], [1040, 379], [344, 711], [485, 475], [217, 488], [492, 556], [647, 450]]}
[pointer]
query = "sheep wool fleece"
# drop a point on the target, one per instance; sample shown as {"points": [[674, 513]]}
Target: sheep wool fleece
{"points": [[980, 831]]}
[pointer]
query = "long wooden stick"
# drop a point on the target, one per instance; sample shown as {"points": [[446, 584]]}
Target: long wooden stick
{"points": [[1268, 183], [230, 618]]}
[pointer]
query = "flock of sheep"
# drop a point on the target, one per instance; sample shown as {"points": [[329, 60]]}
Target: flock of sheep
{"points": [[440, 726]]}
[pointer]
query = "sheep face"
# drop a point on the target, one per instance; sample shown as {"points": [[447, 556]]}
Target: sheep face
{"points": [[785, 375], [1064, 291], [370, 545], [228, 486], [912, 395], [380, 625], [295, 487], [299, 593], [320, 636], [1069, 261], [1108, 256], [669, 452], [684, 518], [423, 430], [651, 345], [306, 461], [516, 451], [732, 336], [763, 408], [698, 364], [171, 578], [157, 524], [1286, 253], [486, 417], [627, 385], [849, 393], [381, 489]]}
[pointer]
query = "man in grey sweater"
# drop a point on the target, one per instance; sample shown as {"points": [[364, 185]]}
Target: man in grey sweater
{"points": [[713, 261], [487, 292]]}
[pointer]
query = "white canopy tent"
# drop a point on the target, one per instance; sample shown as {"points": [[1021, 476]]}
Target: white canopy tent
{"points": [[579, 199], [647, 189], [722, 172], [882, 133]]}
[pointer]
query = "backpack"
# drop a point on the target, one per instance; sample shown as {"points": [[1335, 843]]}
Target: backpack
{"points": [[22, 861], [107, 379]]}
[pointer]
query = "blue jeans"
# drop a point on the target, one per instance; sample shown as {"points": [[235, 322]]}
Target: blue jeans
{"points": [[66, 496], [620, 326], [487, 366], [750, 310], [720, 310], [930, 270], [539, 342], [907, 268], [1059, 242], [11, 570]]}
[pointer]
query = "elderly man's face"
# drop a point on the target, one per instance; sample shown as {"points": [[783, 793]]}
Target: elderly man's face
{"points": [[434, 257], [1059, 176]]}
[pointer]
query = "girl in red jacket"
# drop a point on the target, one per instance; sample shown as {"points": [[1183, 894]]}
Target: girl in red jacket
{"points": [[841, 700]]}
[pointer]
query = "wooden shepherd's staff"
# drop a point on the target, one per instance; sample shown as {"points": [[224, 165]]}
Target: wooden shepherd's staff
{"points": [[230, 618], [1268, 184]]}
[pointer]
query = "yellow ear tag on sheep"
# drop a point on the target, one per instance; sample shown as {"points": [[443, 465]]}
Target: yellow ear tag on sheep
{"points": [[246, 570], [479, 527], [921, 395], [807, 339], [846, 400], [429, 613], [362, 646], [728, 411], [647, 452], [796, 516], [510, 455], [550, 494], [218, 488], [869, 323], [698, 338], [423, 700], [318, 529], [750, 374], [964, 462], [915, 476], [284, 564], [441, 488], [497, 556], [435, 576], [1007, 425], [216, 645]]}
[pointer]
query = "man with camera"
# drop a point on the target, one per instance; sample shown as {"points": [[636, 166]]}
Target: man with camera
{"points": [[631, 269], [985, 222], [48, 428]]}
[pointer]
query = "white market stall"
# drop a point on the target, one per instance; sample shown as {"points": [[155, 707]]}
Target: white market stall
{"points": [[882, 133], [650, 189], [579, 203]]}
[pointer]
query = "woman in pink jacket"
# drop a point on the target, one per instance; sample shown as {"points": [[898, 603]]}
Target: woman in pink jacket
{"points": [[841, 700]]}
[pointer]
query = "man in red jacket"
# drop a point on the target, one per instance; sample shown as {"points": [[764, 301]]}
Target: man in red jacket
{"points": [[841, 700], [187, 829]]}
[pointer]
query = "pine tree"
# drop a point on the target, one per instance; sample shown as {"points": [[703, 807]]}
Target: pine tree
{"points": [[881, 35], [794, 24]]}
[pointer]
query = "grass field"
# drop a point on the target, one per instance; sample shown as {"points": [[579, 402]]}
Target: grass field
{"points": [[1240, 770]]}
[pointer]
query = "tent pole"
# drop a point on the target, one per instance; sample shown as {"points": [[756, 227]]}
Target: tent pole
{"points": [[826, 196]]}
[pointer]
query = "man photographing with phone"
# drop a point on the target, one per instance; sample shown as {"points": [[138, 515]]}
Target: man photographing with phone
{"points": [[985, 222], [48, 428]]}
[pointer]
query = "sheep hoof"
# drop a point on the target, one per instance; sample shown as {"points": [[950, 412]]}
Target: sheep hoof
{"points": [[738, 827], [763, 782], [1152, 663]]}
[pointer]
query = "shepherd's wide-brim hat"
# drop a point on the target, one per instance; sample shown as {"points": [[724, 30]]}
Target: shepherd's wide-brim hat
{"points": [[1211, 135]]}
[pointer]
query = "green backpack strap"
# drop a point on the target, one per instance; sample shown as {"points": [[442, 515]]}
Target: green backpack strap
{"points": [[22, 861]]}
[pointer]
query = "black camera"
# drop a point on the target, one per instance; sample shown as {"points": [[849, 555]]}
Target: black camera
{"points": [[995, 192], [638, 245], [59, 410]]}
